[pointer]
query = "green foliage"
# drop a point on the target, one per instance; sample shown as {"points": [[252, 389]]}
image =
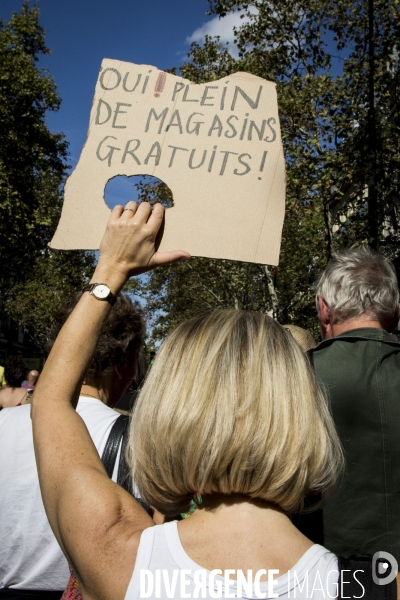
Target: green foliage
{"points": [[149, 190], [32, 169], [178, 292], [55, 276], [336, 65]]}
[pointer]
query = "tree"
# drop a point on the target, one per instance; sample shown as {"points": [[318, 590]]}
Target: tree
{"points": [[341, 60], [32, 170], [55, 276]]}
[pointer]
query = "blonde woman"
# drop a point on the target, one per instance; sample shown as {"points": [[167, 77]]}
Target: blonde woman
{"points": [[230, 411]]}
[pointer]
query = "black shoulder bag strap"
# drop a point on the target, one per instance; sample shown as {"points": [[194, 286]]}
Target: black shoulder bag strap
{"points": [[355, 573], [110, 451], [124, 478], [119, 435]]}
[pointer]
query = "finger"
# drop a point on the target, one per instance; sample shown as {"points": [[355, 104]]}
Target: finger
{"points": [[156, 224], [130, 209], [143, 213], [132, 204], [166, 258], [156, 217], [116, 212]]}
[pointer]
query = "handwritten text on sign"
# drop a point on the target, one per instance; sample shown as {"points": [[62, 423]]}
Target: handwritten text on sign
{"points": [[119, 115]]}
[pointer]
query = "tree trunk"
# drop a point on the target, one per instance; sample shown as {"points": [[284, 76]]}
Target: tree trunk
{"points": [[273, 312], [373, 209]]}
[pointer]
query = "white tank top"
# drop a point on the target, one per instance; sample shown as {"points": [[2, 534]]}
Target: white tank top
{"points": [[164, 570]]}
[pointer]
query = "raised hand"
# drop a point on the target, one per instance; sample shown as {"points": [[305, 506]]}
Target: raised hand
{"points": [[128, 245]]}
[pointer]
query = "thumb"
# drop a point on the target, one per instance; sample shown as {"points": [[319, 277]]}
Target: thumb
{"points": [[166, 258]]}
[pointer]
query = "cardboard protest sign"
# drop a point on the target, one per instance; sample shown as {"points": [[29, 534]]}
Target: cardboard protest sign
{"points": [[216, 145]]}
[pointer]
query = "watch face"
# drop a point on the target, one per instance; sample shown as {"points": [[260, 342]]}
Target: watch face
{"points": [[101, 291]]}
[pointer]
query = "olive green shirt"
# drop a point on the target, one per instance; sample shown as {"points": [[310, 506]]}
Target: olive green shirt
{"points": [[360, 373]]}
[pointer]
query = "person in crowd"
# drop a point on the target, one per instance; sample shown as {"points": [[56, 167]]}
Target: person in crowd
{"points": [[358, 364], [2, 378], [302, 337], [31, 380], [31, 562], [13, 394], [230, 411], [126, 403]]}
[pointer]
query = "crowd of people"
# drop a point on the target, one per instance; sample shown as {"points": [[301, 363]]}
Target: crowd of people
{"points": [[283, 453]]}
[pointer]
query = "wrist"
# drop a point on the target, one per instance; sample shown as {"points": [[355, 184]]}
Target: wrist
{"points": [[113, 278]]}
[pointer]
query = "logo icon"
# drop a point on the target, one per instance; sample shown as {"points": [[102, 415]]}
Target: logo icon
{"points": [[384, 568]]}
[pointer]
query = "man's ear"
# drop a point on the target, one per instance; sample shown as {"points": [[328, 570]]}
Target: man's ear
{"points": [[324, 318]]}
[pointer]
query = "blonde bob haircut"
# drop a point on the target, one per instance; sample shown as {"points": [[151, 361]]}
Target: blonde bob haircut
{"points": [[231, 405]]}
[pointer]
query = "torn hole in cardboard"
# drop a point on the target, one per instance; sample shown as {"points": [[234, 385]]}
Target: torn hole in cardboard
{"points": [[140, 188]]}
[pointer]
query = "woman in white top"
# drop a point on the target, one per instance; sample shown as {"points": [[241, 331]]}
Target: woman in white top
{"points": [[230, 411]]}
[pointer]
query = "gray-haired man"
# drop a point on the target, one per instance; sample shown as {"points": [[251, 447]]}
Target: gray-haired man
{"points": [[358, 364]]}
